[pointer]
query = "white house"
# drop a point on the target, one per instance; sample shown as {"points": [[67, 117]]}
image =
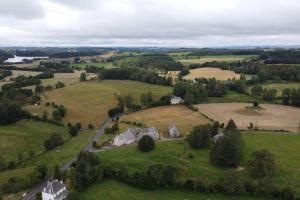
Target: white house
{"points": [[218, 137], [132, 135], [176, 100], [174, 132], [54, 190]]}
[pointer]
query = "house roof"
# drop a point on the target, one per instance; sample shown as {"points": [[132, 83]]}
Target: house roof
{"points": [[53, 187]]}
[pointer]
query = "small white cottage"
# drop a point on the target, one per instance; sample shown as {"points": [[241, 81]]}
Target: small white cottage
{"points": [[54, 190], [218, 137], [176, 100], [174, 132], [132, 135]]}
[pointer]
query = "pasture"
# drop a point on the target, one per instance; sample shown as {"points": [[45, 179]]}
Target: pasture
{"points": [[219, 58], [271, 116], [284, 146], [161, 117], [113, 190], [16, 73], [88, 102], [210, 72], [281, 86]]}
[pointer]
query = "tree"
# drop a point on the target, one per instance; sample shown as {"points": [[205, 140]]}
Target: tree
{"points": [[54, 140], [227, 152], [83, 76], [146, 143], [188, 98], [57, 174], [73, 130], [257, 90], [45, 115], [59, 84], [147, 99], [41, 172], [73, 195], [261, 163], [78, 125], [230, 125], [2, 163], [39, 89], [56, 115], [11, 112], [200, 137]]}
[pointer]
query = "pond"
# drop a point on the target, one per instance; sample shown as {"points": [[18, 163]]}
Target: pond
{"points": [[16, 59]]}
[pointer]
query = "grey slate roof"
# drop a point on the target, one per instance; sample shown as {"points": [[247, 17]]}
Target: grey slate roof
{"points": [[53, 187]]}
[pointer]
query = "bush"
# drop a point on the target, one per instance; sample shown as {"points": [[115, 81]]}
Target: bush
{"points": [[261, 163], [54, 140], [230, 125], [11, 112], [146, 143], [91, 126], [231, 183], [255, 104], [200, 137], [73, 130]]}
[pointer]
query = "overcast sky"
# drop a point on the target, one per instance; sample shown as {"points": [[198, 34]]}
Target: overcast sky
{"points": [[178, 23]]}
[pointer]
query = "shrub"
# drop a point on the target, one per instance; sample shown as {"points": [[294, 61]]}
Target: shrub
{"points": [[146, 143], [230, 125], [261, 163], [91, 126], [200, 137], [73, 130], [54, 140], [255, 104], [231, 183]]}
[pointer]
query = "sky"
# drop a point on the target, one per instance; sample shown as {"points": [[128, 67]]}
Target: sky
{"points": [[155, 23]]}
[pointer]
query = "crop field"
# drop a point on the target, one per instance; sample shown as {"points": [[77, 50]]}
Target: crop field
{"points": [[161, 117], [113, 190], [221, 58], [210, 72], [284, 146], [271, 116], [88, 102]]}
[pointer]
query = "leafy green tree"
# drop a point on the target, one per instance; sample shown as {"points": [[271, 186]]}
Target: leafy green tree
{"points": [[83, 76], [200, 137], [231, 183], [230, 125], [57, 174], [53, 141], [261, 163], [2, 163], [56, 115], [147, 99], [73, 130], [257, 90], [188, 98], [45, 114], [146, 143]]}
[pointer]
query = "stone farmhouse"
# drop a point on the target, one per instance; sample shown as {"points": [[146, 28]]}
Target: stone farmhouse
{"points": [[176, 100], [54, 190], [132, 135], [174, 132]]}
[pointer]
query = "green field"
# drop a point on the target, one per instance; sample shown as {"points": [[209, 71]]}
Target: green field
{"points": [[88, 102], [96, 64], [285, 147], [112, 190], [281, 86], [26, 135], [184, 59], [232, 96]]}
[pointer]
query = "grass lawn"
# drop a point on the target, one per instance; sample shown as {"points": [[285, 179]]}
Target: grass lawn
{"points": [[285, 147], [232, 96], [113, 190], [161, 117], [25, 136], [96, 64], [88, 102]]}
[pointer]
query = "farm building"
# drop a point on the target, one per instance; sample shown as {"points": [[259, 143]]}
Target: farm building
{"points": [[219, 136], [132, 135], [176, 100], [174, 132], [54, 190]]}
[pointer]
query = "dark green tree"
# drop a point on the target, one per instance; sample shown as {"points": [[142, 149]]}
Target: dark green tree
{"points": [[200, 137], [146, 143]]}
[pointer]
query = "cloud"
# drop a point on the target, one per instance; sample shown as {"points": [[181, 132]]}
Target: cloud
{"points": [[25, 9], [153, 23]]}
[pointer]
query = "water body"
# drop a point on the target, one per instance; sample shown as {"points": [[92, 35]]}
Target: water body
{"points": [[21, 58]]}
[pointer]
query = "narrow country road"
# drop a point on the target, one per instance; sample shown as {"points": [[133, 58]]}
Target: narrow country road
{"points": [[31, 195]]}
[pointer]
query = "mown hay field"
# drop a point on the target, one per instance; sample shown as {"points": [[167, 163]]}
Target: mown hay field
{"points": [[161, 117], [281, 86], [210, 72], [88, 102], [271, 116]]}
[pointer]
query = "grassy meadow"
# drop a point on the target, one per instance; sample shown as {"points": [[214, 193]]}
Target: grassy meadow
{"points": [[220, 58], [232, 96], [285, 147], [88, 102], [113, 190], [281, 86]]}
